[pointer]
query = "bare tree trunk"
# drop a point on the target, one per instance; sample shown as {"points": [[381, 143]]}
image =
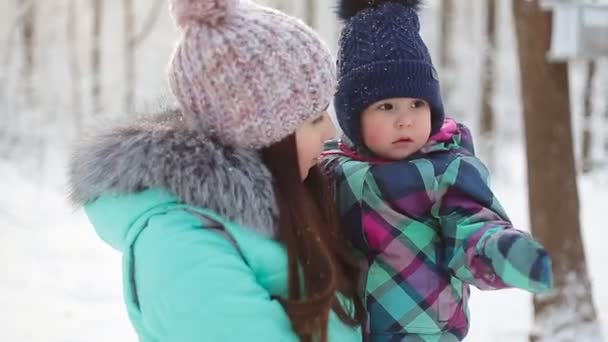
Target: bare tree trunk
{"points": [[310, 13], [603, 74], [568, 313], [35, 130], [488, 73], [605, 85], [445, 42], [447, 14], [283, 6], [74, 67], [487, 114], [23, 7], [148, 24], [97, 15], [129, 55], [27, 37], [588, 113], [10, 116]]}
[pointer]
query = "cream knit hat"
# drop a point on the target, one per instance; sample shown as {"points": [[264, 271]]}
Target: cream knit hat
{"points": [[247, 74]]}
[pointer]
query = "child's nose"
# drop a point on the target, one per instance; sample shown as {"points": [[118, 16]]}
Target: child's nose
{"points": [[404, 121]]}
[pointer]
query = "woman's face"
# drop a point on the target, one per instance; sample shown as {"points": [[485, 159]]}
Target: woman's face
{"points": [[310, 137]]}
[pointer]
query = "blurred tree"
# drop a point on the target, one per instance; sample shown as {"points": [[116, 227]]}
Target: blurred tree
{"points": [[74, 66], [488, 79], [129, 54], [605, 87], [29, 127], [148, 25], [587, 158], [446, 62], [21, 30], [310, 13], [568, 312], [132, 41], [97, 20], [28, 44]]}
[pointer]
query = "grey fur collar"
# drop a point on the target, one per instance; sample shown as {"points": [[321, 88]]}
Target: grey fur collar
{"points": [[162, 152]]}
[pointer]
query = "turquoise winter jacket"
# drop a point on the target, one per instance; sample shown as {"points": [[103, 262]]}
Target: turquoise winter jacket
{"points": [[194, 221]]}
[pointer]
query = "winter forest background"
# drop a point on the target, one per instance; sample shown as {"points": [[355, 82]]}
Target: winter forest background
{"points": [[67, 66]]}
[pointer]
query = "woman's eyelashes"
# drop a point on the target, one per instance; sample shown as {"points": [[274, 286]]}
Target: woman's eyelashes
{"points": [[318, 120]]}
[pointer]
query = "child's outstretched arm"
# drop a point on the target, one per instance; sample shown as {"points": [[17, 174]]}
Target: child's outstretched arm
{"points": [[482, 247]]}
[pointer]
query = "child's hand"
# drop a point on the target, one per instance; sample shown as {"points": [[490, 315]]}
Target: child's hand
{"points": [[519, 260]]}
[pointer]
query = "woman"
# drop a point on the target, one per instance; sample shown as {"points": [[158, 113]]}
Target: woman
{"points": [[224, 221]]}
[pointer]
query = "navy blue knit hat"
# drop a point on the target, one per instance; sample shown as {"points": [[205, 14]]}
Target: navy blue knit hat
{"points": [[381, 55]]}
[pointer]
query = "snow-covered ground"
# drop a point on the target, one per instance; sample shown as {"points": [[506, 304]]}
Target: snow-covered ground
{"points": [[60, 283]]}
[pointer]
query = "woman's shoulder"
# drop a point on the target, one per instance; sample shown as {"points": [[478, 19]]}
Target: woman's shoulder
{"points": [[175, 221]]}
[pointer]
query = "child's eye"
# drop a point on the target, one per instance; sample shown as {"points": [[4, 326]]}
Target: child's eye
{"points": [[418, 104], [318, 120], [386, 106]]}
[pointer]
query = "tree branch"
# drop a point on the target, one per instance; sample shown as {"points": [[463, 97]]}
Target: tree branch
{"points": [[22, 11], [149, 23]]}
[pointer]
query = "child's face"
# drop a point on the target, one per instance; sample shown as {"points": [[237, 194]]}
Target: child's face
{"points": [[396, 128]]}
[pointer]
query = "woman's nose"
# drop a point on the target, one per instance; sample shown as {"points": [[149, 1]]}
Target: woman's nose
{"points": [[330, 132], [328, 129]]}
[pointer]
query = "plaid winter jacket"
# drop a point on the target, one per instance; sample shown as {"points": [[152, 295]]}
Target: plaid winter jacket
{"points": [[429, 227]]}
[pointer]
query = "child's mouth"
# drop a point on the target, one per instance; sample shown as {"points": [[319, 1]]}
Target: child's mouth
{"points": [[402, 141]]}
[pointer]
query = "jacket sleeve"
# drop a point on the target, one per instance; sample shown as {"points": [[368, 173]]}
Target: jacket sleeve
{"points": [[481, 246], [193, 285]]}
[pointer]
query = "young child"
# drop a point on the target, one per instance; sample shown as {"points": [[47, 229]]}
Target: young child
{"points": [[413, 198]]}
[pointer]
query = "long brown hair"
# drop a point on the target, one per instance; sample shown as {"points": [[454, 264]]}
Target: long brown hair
{"points": [[320, 266]]}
